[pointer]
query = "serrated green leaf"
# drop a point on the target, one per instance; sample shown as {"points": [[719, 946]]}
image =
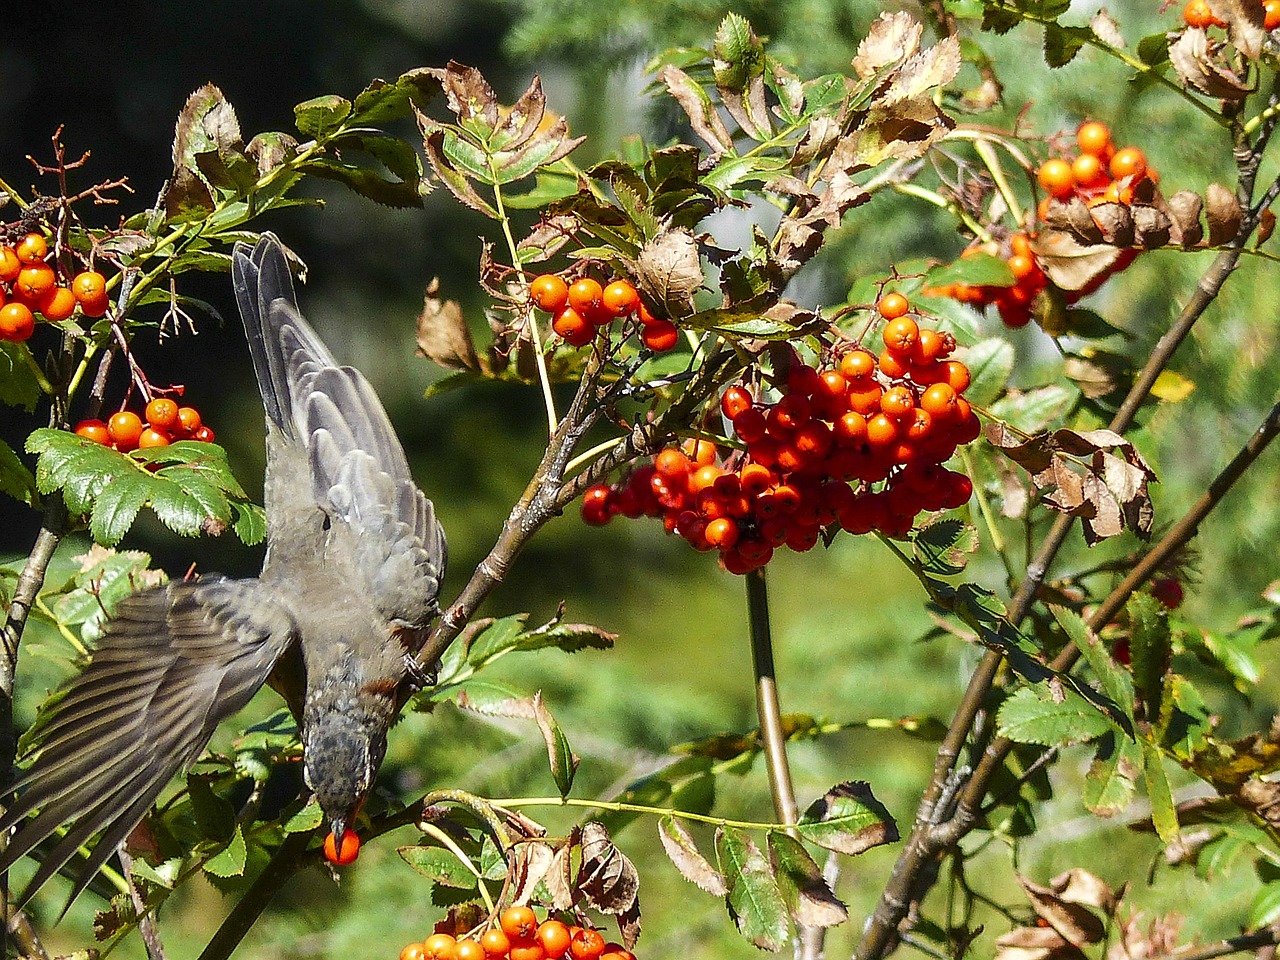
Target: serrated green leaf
{"points": [[1163, 815], [551, 185], [1153, 50], [15, 479], [230, 861], [499, 637], [309, 818], [249, 521], [1037, 409], [480, 693], [321, 115], [1115, 680], [1028, 717], [382, 101], [1061, 44], [116, 507], [999, 21], [393, 153], [215, 817], [990, 364], [367, 183], [848, 819], [1266, 906], [754, 900], [976, 270], [1150, 649], [1112, 777], [942, 548], [18, 384], [438, 865], [808, 898]]}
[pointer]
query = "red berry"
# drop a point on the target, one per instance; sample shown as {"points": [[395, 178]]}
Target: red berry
{"points": [[94, 430], [549, 292], [347, 853]]}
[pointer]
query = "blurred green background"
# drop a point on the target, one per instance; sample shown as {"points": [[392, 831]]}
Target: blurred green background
{"points": [[847, 621]]}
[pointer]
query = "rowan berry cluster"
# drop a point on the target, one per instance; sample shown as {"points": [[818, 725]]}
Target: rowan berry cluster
{"points": [[1099, 174], [1198, 13], [30, 286], [165, 422], [519, 936], [582, 308], [857, 446]]}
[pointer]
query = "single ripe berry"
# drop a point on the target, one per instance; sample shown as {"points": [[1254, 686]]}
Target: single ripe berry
{"points": [[152, 438], [32, 248], [347, 853], [1089, 173], [94, 430], [616, 951], [188, 421], [1270, 14], [469, 949], [527, 951], [586, 296], [900, 336], [586, 945], [1129, 162], [1056, 177], [957, 375], [737, 398], [34, 281], [554, 937], [549, 292], [89, 286], [620, 298], [495, 942], [1094, 138], [518, 923], [1197, 14], [95, 308], [125, 428], [440, 946], [58, 304], [162, 413], [9, 264], [660, 335], [17, 322], [857, 364], [576, 329], [892, 306], [897, 402], [203, 435], [413, 951]]}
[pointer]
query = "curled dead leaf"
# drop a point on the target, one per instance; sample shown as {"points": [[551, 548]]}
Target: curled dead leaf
{"points": [[1069, 264], [467, 93], [892, 38], [1223, 214], [442, 333], [1151, 226], [1195, 60], [1116, 223], [669, 270], [1185, 228]]}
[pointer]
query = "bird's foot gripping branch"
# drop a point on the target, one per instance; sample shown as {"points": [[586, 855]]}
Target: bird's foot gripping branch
{"points": [[680, 380]]}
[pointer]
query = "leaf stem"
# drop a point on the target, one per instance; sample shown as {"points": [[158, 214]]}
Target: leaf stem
{"points": [[615, 806]]}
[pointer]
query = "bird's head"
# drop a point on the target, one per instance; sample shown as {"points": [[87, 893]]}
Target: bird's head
{"points": [[342, 752]]}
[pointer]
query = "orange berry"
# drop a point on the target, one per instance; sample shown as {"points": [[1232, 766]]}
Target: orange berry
{"points": [[17, 322], [894, 365], [347, 853], [495, 942], [125, 428], [203, 435], [413, 951], [940, 401], [722, 532], [518, 922], [1056, 177], [1271, 14], [1129, 162], [89, 285], [701, 452], [1197, 14], [162, 413], [585, 296], [897, 402], [549, 292], [882, 430], [615, 951], [9, 264], [620, 298], [527, 951], [1020, 245], [900, 335], [892, 306], [586, 945], [1089, 172], [857, 364], [32, 248], [554, 937], [154, 438], [573, 327], [850, 429], [672, 463], [1094, 137], [96, 308], [440, 946], [58, 304], [94, 430], [865, 400], [736, 399], [957, 375], [188, 421], [34, 281], [469, 949], [660, 335]]}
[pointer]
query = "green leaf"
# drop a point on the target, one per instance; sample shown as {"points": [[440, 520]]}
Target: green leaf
{"points": [[552, 185], [1153, 50], [117, 507], [249, 523], [1163, 815], [808, 898], [1150, 649], [18, 385], [392, 152], [215, 817], [848, 819], [1035, 410], [381, 101], [754, 900], [562, 759], [990, 364], [942, 548], [367, 183], [1266, 906], [438, 865], [230, 861], [321, 115], [1061, 44], [976, 270], [15, 479], [1029, 717], [1111, 779], [1115, 680], [309, 818]]}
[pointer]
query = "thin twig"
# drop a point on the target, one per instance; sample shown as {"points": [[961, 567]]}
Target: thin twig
{"points": [[146, 921]]}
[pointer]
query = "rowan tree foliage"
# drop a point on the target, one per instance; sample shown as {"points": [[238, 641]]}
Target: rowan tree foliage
{"points": [[992, 422]]}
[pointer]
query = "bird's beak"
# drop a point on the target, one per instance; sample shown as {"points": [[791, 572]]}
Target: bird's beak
{"points": [[339, 827]]}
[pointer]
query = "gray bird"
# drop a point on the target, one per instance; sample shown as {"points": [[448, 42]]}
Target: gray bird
{"points": [[353, 568]]}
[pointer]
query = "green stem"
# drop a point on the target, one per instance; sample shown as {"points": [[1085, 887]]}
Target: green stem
{"points": [[988, 516], [988, 154], [41, 380], [619, 807], [929, 196], [768, 707]]}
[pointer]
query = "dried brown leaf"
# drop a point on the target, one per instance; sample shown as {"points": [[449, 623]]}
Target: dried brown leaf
{"points": [[521, 120], [530, 863], [607, 879], [269, 150], [930, 68], [443, 335], [1196, 64], [1077, 924], [818, 139], [1080, 221], [1151, 226], [1116, 223], [547, 238], [1266, 226], [1223, 214], [702, 113], [1106, 29], [1245, 20], [669, 270], [1034, 943], [752, 111], [684, 853], [1185, 207], [1080, 886], [800, 881], [559, 875], [1069, 264], [892, 38], [467, 93]]}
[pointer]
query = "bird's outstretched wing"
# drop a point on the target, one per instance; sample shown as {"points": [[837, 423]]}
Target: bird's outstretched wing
{"points": [[172, 663], [353, 459]]}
